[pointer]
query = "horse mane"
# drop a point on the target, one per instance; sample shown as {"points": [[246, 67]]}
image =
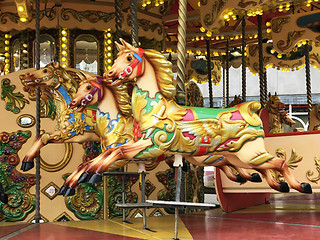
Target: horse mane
{"points": [[164, 74], [68, 78]]}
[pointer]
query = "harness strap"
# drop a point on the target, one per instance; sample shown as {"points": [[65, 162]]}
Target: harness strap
{"points": [[96, 87], [138, 60]]}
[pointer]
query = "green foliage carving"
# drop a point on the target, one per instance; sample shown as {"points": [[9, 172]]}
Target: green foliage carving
{"points": [[14, 101]]}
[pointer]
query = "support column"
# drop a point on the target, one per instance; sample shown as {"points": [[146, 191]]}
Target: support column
{"points": [[134, 23], [118, 19], [261, 74], [37, 216], [181, 54], [308, 77], [227, 72], [244, 64], [209, 73]]}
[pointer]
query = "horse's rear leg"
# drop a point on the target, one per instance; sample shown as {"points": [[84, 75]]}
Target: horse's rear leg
{"points": [[280, 165], [254, 177], [281, 187]]}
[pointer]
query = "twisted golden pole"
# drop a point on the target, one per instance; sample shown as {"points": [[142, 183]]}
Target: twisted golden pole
{"points": [[181, 54]]}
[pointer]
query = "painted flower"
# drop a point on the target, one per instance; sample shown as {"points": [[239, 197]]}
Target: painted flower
{"points": [[31, 180], [88, 158], [13, 159], [7, 151], [21, 138], [15, 145], [12, 137], [13, 175], [136, 131], [4, 137]]}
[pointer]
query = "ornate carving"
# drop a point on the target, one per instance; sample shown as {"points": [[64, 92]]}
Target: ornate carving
{"points": [[92, 150], [194, 184], [91, 16], [310, 173], [292, 162], [277, 23], [115, 194], [14, 17], [14, 101], [292, 36], [165, 8], [147, 25], [244, 4], [253, 49], [16, 184], [168, 193], [216, 8], [87, 203]]}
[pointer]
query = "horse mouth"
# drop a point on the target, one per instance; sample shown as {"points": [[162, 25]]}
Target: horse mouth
{"points": [[116, 81]]}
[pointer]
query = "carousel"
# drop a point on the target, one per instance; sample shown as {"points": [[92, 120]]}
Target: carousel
{"points": [[115, 114]]}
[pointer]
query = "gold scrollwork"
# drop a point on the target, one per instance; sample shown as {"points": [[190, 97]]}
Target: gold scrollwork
{"points": [[292, 162], [292, 36], [61, 164], [216, 7], [310, 172], [277, 23], [244, 4]]}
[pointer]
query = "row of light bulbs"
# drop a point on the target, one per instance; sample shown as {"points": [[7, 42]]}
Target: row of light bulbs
{"points": [[107, 50], [7, 53], [64, 47], [156, 3]]}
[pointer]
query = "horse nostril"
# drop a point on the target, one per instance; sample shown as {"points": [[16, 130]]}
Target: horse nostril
{"points": [[110, 73]]}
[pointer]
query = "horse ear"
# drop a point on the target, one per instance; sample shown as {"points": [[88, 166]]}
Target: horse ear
{"points": [[56, 64], [269, 94], [119, 46], [128, 45]]}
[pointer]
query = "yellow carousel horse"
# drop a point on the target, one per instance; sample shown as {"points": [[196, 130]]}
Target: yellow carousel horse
{"points": [[199, 134]]}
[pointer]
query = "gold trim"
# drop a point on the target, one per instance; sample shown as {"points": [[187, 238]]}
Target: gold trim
{"points": [[262, 158], [60, 165], [310, 172], [33, 120]]}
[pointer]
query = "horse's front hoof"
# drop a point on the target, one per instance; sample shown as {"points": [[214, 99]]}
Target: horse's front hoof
{"points": [[255, 177], [62, 190], [240, 179], [84, 177], [306, 188], [95, 178], [284, 187], [69, 192], [4, 198], [26, 166]]}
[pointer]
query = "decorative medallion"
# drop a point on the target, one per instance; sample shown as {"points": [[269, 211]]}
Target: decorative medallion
{"points": [[63, 217], [51, 190], [310, 172], [149, 187], [292, 162], [26, 121], [15, 102]]}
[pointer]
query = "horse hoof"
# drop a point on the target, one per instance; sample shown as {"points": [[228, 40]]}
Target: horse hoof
{"points": [[306, 188], [240, 179], [4, 198], [69, 192], [284, 187], [255, 177], [95, 178], [26, 166], [62, 190], [84, 178]]}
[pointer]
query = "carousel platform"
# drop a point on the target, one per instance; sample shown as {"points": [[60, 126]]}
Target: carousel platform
{"points": [[289, 217]]}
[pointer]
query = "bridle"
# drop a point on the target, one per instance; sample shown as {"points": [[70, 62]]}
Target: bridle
{"points": [[96, 88], [47, 78], [137, 61]]}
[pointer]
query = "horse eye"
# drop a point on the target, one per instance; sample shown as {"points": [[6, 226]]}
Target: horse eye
{"points": [[88, 87], [45, 70], [129, 58]]}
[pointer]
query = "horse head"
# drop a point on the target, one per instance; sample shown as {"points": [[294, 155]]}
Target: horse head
{"points": [[275, 106], [86, 94], [128, 65]]}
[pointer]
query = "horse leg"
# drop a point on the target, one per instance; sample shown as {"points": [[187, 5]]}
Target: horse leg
{"points": [[27, 162], [280, 165], [254, 177], [281, 187], [233, 177]]}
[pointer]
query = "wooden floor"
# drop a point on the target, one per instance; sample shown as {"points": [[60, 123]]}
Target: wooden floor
{"points": [[290, 217]]}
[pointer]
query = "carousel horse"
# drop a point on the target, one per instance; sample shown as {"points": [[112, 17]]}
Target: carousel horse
{"points": [[277, 115], [59, 84], [163, 127], [109, 102]]}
